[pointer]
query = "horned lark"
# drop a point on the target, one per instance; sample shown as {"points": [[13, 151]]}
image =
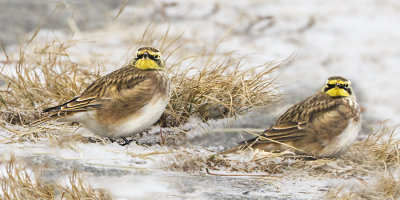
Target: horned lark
{"points": [[322, 125], [122, 103]]}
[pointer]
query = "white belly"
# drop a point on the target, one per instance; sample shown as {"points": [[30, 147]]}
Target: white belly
{"points": [[342, 141], [137, 122], [141, 120]]}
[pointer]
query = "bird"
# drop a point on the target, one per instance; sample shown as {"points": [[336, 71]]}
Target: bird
{"points": [[323, 125], [122, 103]]}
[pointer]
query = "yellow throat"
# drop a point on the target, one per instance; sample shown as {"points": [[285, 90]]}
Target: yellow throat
{"points": [[145, 64], [337, 92], [147, 58], [337, 88]]}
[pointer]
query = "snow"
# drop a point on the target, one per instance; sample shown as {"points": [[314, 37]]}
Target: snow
{"points": [[357, 39]]}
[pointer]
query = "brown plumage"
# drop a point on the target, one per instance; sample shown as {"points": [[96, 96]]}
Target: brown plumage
{"points": [[121, 103], [322, 125]]}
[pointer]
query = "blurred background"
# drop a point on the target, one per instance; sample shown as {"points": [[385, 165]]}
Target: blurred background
{"points": [[357, 39], [311, 40]]}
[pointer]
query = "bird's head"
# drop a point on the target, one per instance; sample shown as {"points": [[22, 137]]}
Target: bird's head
{"points": [[148, 58], [337, 87]]}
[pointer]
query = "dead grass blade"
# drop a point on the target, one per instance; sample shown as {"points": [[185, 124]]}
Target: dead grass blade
{"points": [[222, 88], [241, 175], [19, 182]]}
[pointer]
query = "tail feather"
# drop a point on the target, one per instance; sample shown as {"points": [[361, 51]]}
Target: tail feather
{"points": [[44, 120], [242, 145], [55, 113], [57, 108], [231, 150]]}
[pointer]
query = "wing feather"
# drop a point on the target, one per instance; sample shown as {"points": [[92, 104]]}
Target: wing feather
{"points": [[102, 90], [293, 124]]}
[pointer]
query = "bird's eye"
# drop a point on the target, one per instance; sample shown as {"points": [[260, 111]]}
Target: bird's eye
{"points": [[138, 56], [156, 56]]}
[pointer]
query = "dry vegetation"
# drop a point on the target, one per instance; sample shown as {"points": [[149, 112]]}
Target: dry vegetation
{"points": [[222, 88], [378, 158], [44, 74], [19, 182], [41, 74], [373, 163]]}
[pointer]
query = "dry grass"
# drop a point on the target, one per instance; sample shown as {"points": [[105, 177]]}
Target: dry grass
{"points": [[40, 76], [386, 186], [252, 166], [191, 160], [186, 161], [44, 74], [223, 87], [381, 149], [378, 159], [18, 182], [373, 165]]}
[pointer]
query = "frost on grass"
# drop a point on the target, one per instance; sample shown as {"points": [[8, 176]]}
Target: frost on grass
{"points": [[19, 182]]}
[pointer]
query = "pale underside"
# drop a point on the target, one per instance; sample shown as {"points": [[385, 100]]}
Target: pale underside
{"points": [[341, 142], [122, 103], [128, 126]]}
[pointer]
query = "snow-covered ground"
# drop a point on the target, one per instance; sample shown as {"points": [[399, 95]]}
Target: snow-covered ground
{"points": [[357, 39]]}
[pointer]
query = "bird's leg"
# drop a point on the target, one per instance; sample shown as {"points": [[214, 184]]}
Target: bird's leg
{"points": [[112, 140], [126, 141], [162, 142]]}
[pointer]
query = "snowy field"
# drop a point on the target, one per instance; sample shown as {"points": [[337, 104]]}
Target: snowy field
{"points": [[356, 39]]}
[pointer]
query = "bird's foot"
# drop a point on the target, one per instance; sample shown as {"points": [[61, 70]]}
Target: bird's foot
{"points": [[126, 141], [112, 140]]}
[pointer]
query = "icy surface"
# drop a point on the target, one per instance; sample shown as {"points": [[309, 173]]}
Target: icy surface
{"points": [[357, 39]]}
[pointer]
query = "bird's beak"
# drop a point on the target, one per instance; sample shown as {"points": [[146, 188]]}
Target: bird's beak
{"points": [[146, 55]]}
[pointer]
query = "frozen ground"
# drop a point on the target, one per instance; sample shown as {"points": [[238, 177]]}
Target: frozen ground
{"points": [[357, 39]]}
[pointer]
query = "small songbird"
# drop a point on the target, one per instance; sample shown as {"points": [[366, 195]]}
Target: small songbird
{"points": [[122, 103], [323, 125]]}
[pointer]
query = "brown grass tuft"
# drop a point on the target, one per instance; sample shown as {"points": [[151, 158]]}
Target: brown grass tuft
{"points": [[42, 75], [248, 166], [19, 182], [389, 187], [374, 158], [380, 149], [189, 160], [221, 88], [386, 186], [182, 160]]}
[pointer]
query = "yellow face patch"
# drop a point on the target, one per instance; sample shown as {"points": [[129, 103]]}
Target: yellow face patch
{"points": [[337, 88], [334, 82], [147, 59], [152, 53], [337, 92], [146, 63]]}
